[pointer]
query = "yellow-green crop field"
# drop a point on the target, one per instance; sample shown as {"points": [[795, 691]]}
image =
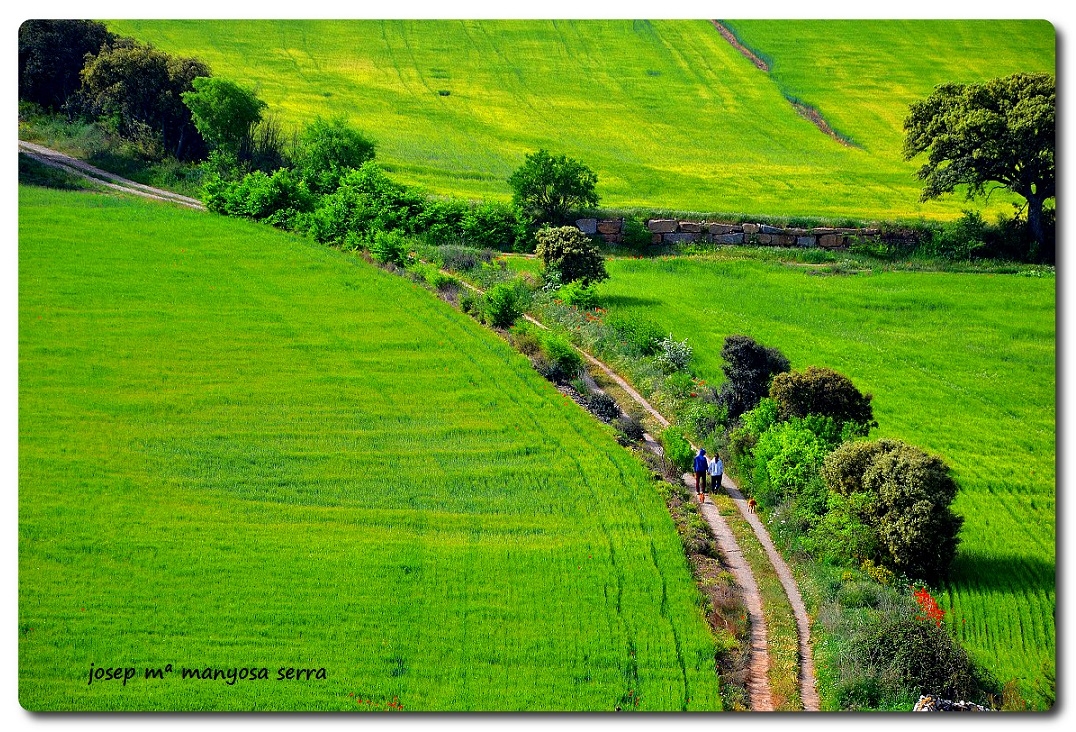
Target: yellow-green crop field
{"points": [[668, 113], [960, 364], [239, 451]]}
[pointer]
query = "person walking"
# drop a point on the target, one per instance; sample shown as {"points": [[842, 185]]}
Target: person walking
{"points": [[716, 470], [700, 475]]}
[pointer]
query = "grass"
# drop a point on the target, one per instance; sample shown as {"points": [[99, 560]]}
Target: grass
{"points": [[960, 364], [668, 113], [240, 450]]}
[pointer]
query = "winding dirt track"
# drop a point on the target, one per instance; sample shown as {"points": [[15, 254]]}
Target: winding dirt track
{"points": [[758, 685]]}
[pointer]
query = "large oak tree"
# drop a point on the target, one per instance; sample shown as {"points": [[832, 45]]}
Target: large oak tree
{"points": [[1000, 131]]}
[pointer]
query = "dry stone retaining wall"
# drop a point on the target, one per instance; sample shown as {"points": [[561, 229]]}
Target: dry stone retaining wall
{"points": [[674, 231]]}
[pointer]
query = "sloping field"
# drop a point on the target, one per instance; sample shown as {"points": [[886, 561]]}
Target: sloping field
{"points": [[239, 451], [962, 365], [667, 112]]}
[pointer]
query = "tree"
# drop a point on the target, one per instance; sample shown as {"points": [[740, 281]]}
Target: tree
{"points": [[1000, 131], [549, 188], [902, 496], [224, 113], [823, 392], [327, 150], [139, 89], [749, 367], [571, 255], [51, 57]]}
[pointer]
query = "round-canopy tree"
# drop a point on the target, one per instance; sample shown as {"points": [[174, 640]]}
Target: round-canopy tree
{"points": [[548, 188], [825, 392], [570, 254], [224, 113], [51, 56], [1001, 131], [749, 367]]}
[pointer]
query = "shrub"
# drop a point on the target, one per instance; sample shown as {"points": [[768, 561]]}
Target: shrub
{"points": [[822, 391], [502, 306], [903, 495], [676, 448], [635, 235], [258, 196], [749, 368], [463, 259], [225, 114], [525, 341], [959, 240], [441, 221], [563, 358], [495, 225], [704, 417], [673, 355], [678, 385], [603, 406], [389, 246], [788, 457], [571, 254], [577, 295], [327, 150]]}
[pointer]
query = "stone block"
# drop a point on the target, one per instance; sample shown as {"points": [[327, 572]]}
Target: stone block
{"points": [[691, 227], [721, 229], [784, 240], [728, 238], [806, 241], [830, 241], [656, 238], [767, 229], [764, 238], [820, 230], [662, 226], [750, 228], [587, 226], [610, 226], [797, 232], [680, 237]]}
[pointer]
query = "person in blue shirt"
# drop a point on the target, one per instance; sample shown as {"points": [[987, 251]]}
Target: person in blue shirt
{"points": [[701, 464]]}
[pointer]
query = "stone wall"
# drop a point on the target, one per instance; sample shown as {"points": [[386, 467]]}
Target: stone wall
{"points": [[675, 231]]}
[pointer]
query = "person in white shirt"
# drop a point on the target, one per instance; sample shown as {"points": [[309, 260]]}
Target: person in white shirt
{"points": [[716, 469]]}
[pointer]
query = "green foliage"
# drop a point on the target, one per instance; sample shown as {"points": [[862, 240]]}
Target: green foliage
{"points": [[824, 392], [389, 246], [673, 355], [550, 188], [563, 361], [278, 199], [998, 132], [464, 259], [502, 305], [139, 90], [495, 225], [327, 150], [225, 114], [51, 56], [749, 368], [577, 295], [571, 255], [787, 460], [365, 201], [704, 417], [677, 449], [678, 385], [902, 496], [960, 240], [441, 221]]}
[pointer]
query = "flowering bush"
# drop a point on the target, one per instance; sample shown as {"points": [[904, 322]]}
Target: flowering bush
{"points": [[673, 355]]}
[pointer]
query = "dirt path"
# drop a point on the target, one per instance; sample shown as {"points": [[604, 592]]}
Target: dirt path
{"points": [[68, 164]]}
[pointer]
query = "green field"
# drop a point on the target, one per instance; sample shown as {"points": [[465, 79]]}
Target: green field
{"points": [[960, 364], [240, 450], [667, 112]]}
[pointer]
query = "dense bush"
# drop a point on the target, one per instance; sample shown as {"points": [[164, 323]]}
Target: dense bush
{"points": [[441, 221], [463, 259], [51, 56], [749, 367], [279, 198], [364, 202], [577, 295], [502, 305], [900, 497], [571, 254], [787, 459], [225, 114], [564, 362], [630, 427], [327, 150], [603, 406], [495, 225], [677, 449], [389, 246], [822, 391]]}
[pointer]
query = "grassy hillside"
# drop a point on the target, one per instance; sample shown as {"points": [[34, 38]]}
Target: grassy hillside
{"points": [[667, 113], [238, 450], [960, 364]]}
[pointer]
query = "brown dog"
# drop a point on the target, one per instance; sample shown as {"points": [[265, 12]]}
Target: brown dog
{"points": [[751, 503]]}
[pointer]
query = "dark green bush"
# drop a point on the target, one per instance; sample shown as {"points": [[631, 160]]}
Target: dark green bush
{"points": [[825, 392], [495, 225], [502, 306], [524, 339], [577, 295], [571, 254], [603, 406], [327, 150], [630, 427], [441, 221], [259, 196], [749, 368], [463, 259], [677, 449], [389, 246]]}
